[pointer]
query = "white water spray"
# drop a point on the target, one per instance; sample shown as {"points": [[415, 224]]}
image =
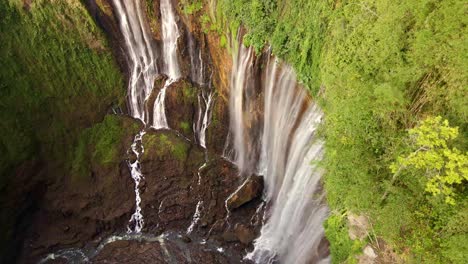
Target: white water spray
{"points": [[142, 59], [196, 217], [159, 111], [283, 152], [136, 219], [205, 101], [241, 80], [143, 71], [170, 35]]}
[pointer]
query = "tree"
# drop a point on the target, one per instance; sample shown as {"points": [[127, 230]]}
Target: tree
{"points": [[430, 156]]}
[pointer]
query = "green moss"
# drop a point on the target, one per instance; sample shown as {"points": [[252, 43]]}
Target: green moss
{"points": [[190, 7], [106, 137], [98, 144], [223, 41], [166, 145], [105, 7], [185, 126], [80, 160], [57, 77], [189, 92], [152, 18], [180, 151], [205, 23]]}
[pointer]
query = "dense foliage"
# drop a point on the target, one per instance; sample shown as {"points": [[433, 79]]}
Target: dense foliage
{"points": [[444, 169], [57, 76], [381, 67]]}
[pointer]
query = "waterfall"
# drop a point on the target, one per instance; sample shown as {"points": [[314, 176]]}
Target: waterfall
{"points": [[197, 67], [205, 101], [283, 148], [135, 170], [142, 60], [159, 119], [206, 94], [170, 35], [143, 71], [241, 147]]}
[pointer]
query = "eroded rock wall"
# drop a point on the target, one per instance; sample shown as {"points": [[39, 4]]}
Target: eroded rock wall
{"points": [[185, 186]]}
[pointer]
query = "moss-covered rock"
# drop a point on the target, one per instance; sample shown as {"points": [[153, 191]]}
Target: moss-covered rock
{"points": [[104, 144], [182, 107], [57, 78], [164, 145]]}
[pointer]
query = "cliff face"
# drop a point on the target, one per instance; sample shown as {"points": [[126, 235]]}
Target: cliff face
{"points": [[57, 79], [84, 192]]}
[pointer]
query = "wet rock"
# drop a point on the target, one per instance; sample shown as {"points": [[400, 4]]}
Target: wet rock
{"points": [[250, 189], [244, 234], [169, 251], [219, 127], [185, 238], [230, 236], [83, 205], [181, 106]]}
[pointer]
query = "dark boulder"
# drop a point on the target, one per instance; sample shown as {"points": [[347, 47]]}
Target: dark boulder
{"points": [[249, 190]]}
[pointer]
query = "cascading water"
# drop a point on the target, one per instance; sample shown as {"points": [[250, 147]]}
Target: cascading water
{"points": [[159, 119], [143, 66], [239, 143], [142, 59], [283, 152], [197, 67], [170, 35], [206, 94], [205, 100], [137, 218]]}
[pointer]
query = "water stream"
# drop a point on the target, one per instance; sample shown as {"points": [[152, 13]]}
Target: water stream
{"points": [[143, 71], [273, 124], [136, 221], [285, 152], [205, 102], [141, 56]]}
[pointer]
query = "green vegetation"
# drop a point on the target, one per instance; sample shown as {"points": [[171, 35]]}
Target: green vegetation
{"points": [[212, 23], [295, 29], [185, 126], [342, 248], [380, 67], [190, 7], [444, 170], [189, 92], [99, 144], [57, 77], [105, 7], [152, 17], [165, 144]]}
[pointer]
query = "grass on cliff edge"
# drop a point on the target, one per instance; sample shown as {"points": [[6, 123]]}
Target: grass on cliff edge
{"points": [[57, 77], [382, 67]]}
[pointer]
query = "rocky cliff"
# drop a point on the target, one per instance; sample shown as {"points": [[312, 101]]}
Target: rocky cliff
{"points": [[185, 186]]}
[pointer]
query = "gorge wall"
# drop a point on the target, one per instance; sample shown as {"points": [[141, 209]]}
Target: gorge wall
{"points": [[143, 131], [176, 173]]}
